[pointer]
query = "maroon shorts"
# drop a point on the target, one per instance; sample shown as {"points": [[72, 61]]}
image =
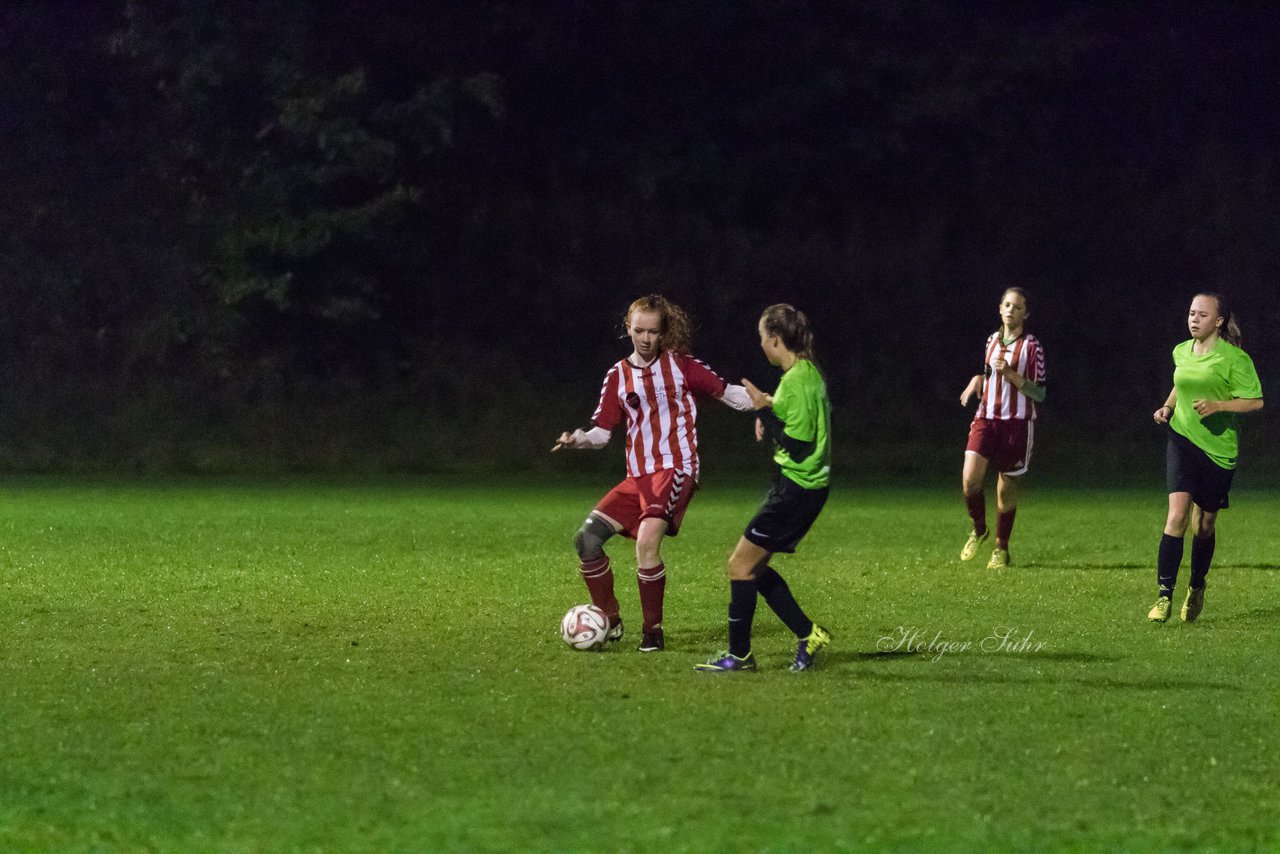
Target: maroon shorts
{"points": [[662, 495], [1005, 444]]}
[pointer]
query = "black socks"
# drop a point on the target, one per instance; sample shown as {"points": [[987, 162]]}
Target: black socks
{"points": [[1168, 558], [1201, 557], [742, 610]]}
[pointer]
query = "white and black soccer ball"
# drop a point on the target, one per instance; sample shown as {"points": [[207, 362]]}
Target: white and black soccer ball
{"points": [[584, 627]]}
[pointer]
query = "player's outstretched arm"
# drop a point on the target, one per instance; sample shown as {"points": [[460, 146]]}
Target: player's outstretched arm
{"points": [[593, 439], [737, 397]]}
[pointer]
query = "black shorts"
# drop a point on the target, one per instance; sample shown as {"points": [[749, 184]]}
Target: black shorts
{"points": [[1188, 469], [788, 512]]}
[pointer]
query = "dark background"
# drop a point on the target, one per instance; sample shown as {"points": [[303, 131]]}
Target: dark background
{"points": [[386, 236]]}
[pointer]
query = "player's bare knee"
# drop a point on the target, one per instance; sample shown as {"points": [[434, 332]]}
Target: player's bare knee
{"points": [[591, 537], [648, 552]]}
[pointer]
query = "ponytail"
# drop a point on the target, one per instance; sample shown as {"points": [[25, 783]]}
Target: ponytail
{"points": [[792, 326]]}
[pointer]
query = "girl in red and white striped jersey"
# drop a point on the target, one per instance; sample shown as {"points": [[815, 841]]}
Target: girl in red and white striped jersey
{"points": [[1003, 430], [654, 392]]}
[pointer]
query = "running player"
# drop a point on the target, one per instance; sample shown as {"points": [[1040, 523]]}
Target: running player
{"points": [[653, 391], [1213, 381], [798, 420], [1002, 433]]}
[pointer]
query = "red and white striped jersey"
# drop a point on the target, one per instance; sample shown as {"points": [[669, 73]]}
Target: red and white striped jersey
{"points": [[658, 404], [1000, 400]]}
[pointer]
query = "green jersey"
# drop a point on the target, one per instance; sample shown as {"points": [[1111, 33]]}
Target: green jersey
{"points": [[801, 404], [1225, 372]]}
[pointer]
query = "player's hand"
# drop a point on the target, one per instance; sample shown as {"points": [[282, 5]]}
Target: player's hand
{"points": [[1161, 415], [999, 364], [759, 430], [758, 398], [1205, 408], [566, 440]]}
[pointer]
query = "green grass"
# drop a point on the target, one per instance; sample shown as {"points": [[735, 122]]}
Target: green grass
{"points": [[217, 666]]}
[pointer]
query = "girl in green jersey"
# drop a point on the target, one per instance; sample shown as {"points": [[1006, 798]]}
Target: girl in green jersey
{"points": [[1213, 382], [797, 417]]}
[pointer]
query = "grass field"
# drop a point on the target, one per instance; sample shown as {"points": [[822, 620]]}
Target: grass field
{"points": [[214, 666]]}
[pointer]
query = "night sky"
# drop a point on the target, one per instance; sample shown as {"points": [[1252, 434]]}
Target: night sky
{"points": [[221, 224]]}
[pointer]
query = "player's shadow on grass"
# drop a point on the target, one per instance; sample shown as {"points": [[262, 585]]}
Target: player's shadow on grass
{"points": [[1078, 565], [886, 655], [1269, 615], [1050, 679], [848, 662], [1129, 564]]}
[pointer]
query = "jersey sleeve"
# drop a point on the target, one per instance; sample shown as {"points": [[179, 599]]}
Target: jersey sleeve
{"points": [[700, 378], [608, 412], [1037, 363], [1243, 380], [986, 355]]}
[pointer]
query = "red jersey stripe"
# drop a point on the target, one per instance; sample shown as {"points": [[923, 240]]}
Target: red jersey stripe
{"points": [[1000, 399], [659, 405]]}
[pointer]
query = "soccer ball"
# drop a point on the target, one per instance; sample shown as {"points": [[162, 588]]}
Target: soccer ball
{"points": [[584, 627]]}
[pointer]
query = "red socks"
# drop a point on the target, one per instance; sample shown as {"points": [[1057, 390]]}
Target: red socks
{"points": [[977, 504], [653, 584], [1004, 527], [599, 578]]}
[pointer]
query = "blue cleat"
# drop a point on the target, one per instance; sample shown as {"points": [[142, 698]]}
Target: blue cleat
{"points": [[726, 663]]}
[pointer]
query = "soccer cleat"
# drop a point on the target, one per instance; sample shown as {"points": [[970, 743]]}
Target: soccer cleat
{"points": [[999, 559], [807, 650], [652, 641], [726, 663], [615, 631], [1160, 611], [970, 550], [1193, 606]]}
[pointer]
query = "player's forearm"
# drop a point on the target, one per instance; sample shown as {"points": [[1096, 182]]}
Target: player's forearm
{"points": [[737, 397], [797, 449], [591, 440], [1241, 404], [1033, 390]]}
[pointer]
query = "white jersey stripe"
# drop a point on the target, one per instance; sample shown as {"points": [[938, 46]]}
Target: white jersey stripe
{"points": [[1000, 399], [658, 404]]}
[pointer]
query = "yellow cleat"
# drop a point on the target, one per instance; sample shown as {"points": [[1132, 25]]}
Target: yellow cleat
{"points": [[1160, 611], [1193, 606], [970, 550], [999, 559], [807, 649]]}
